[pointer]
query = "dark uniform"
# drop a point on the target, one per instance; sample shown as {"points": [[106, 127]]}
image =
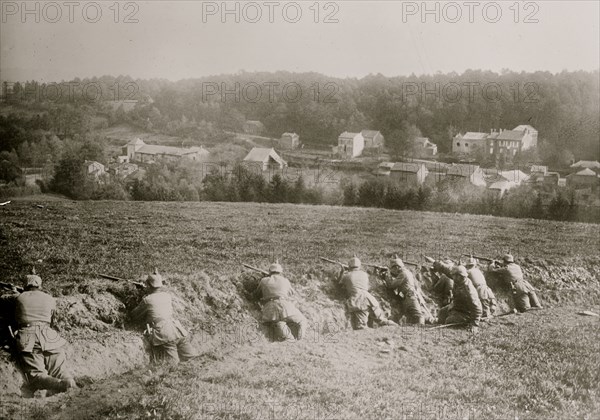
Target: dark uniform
{"points": [[41, 348], [360, 303], [443, 285], [523, 292], [486, 296], [466, 306], [278, 310], [402, 281], [167, 340]]}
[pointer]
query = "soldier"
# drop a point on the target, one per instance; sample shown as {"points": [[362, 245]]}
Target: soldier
{"points": [[486, 296], [41, 348], [165, 336], [402, 281], [465, 307], [360, 302], [523, 292], [443, 284], [278, 311]]}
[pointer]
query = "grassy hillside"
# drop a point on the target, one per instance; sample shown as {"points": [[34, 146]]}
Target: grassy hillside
{"points": [[536, 365]]}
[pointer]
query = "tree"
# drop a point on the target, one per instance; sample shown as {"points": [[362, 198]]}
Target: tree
{"points": [[401, 142]]}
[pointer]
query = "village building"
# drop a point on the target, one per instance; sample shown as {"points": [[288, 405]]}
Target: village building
{"points": [[373, 139], [289, 141], [496, 142], [410, 173], [138, 151], [516, 176], [500, 188], [594, 165], [122, 169], [350, 145], [469, 173], [265, 158], [424, 148], [586, 178], [93, 169], [253, 127], [469, 142]]}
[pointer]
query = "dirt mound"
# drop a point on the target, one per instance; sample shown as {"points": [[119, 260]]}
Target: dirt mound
{"points": [[221, 312]]}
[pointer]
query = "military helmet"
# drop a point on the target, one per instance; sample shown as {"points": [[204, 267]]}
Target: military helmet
{"points": [[354, 262], [471, 262], [460, 270], [508, 258], [275, 268], [396, 262], [33, 280], [154, 279]]}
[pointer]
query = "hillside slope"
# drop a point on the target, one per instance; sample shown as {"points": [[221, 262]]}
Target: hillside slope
{"points": [[199, 248]]}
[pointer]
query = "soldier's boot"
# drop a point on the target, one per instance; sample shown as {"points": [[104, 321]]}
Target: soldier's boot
{"points": [[300, 329], [535, 302], [283, 332]]}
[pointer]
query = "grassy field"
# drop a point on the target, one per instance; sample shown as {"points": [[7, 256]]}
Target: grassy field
{"points": [[536, 365]]}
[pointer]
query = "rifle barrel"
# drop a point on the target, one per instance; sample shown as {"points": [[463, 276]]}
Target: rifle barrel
{"points": [[266, 273]]}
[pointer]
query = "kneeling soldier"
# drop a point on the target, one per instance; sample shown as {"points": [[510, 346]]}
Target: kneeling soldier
{"points": [[278, 311], [486, 296], [167, 338], [360, 302], [466, 306], [41, 348], [402, 281], [523, 292]]}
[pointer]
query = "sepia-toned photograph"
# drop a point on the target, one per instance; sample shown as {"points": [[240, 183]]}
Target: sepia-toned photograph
{"points": [[303, 210]]}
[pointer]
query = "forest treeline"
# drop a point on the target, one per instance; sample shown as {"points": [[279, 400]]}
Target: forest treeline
{"points": [[563, 107]]}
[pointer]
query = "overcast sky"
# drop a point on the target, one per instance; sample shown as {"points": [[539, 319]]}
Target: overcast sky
{"points": [[176, 40]]}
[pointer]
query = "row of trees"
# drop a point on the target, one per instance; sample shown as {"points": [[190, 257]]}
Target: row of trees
{"points": [[563, 107], [520, 202]]}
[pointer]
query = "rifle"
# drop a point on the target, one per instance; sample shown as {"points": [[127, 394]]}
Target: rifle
{"points": [[446, 326], [377, 267], [421, 300], [335, 262], [479, 258], [105, 276], [266, 273], [10, 286]]}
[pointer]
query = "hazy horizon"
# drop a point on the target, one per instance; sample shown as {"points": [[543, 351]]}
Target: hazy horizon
{"points": [[181, 40]]}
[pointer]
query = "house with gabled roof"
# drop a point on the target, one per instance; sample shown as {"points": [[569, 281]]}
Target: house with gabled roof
{"points": [[586, 178], [469, 142], [350, 145], [289, 141], [265, 158], [137, 150], [93, 169], [516, 175], [496, 142], [253, 127], [373, 139], [594, 165], [411, 173], [469, 173]]}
